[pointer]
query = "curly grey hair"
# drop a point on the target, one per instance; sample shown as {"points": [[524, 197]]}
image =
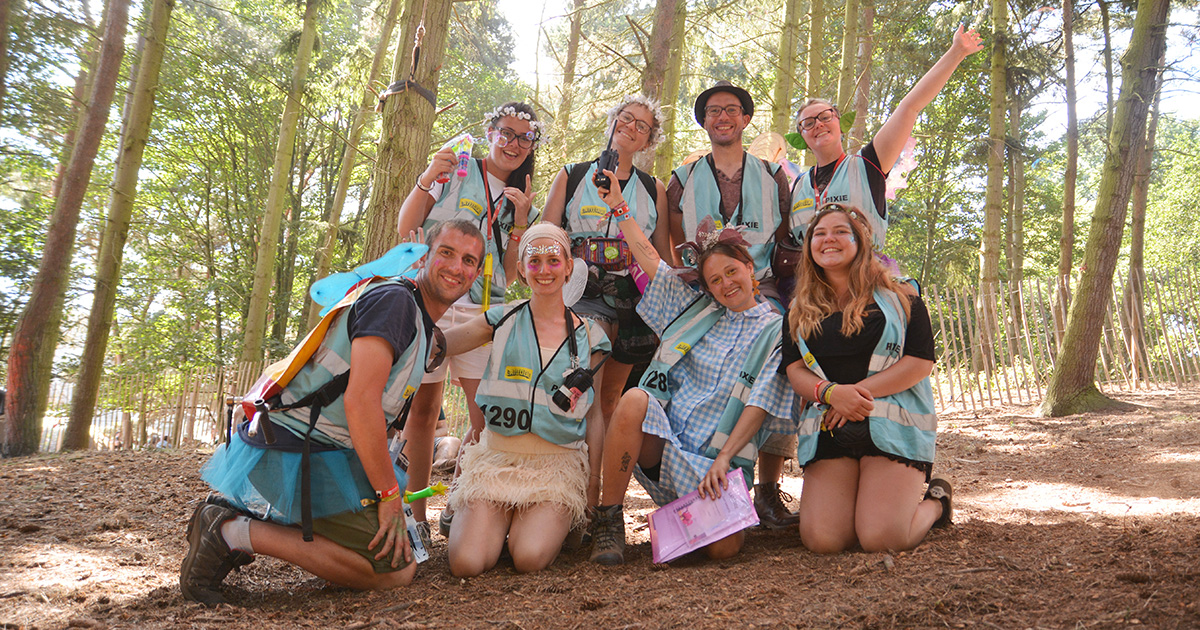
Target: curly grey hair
{"points": [[656, 131]]}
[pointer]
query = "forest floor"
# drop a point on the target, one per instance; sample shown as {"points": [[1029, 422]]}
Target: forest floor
{"points": [[1089, 521]]}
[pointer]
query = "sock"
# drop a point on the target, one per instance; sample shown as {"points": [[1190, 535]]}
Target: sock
{"points": [[236, 533]]}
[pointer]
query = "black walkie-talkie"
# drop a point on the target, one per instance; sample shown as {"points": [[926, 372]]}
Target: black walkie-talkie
{"points": [[606, 162]]}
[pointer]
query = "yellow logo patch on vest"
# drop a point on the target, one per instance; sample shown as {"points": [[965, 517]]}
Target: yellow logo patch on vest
{"points": [[593, 211], [408, 391], [803, 204], [809, 359], [469, 204], [518, 373], [682, 347]]}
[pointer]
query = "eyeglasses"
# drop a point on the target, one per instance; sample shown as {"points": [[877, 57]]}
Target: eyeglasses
{"points": [[505, 136], [626, 118], [714, 110], [825, 116]]}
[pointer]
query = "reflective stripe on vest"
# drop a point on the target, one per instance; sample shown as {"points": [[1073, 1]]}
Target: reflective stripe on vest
{"points": [[464, 198], [333, 358], [903, 423], [759, 208], [849, 185], [516, 392], [587, 214]]}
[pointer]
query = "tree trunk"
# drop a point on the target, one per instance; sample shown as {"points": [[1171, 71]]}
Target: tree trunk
{"points": [[1108, 67], [664, 159], [5, 9], [1016, 255], [120, 212], [562, 120], [849, 52], [268, 235], [866, 46], [31, 356], [658, 61], [1066, 243], [407, 123], [785, 75], [1133, 319], [1072, 387], [993, 211], [351, 154], [816, 55]]}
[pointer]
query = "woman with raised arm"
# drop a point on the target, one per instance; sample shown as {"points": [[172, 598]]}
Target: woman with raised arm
{"points": [[860, 179], [616, 282], [525, 480], [712, 393], [496, 194], [859, 345]]}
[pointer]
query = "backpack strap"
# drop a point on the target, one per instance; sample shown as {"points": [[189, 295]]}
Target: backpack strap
{"points": [[649, 182], [575, 174]]}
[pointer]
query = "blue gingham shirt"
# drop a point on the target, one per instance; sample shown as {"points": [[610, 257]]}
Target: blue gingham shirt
{"points": [[700, 384]]}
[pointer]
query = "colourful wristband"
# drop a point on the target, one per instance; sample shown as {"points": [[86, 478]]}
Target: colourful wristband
{"points": [[388, 495], [620, 211], [817, 390]]}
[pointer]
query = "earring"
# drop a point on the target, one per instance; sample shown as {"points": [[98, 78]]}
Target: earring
{"points": [[755, 285]]}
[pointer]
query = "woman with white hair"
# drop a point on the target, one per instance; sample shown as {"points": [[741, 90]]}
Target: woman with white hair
{"points": [[615, 282], [525, 480]]}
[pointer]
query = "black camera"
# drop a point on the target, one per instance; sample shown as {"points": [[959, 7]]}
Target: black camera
{"points": [[574, 386], [606, 162]]}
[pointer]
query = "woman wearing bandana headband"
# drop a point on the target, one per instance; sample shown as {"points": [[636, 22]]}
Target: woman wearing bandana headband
{"points": [[524, 482], [712, 394], [497, 196], [860, 347]]}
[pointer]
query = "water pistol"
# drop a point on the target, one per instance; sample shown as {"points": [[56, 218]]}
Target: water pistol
{"points": [[438, 488], [461, 146], [487, 281]]}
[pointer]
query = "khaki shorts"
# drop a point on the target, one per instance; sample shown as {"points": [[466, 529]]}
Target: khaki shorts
{"points": [[468, 365], [354, 531], [781, 444]]}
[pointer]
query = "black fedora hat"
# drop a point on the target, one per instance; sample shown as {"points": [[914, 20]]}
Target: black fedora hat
{"points": [[723, 86]]}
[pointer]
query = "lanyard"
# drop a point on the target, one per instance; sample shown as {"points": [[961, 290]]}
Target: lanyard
{"points": [[820, 194], [739, 211], [493, 209]]}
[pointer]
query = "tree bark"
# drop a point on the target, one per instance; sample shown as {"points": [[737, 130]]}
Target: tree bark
{"points": [[1106, 29], [815, 55], [120, 212], [785, 75], [1133, 318], [1072, 387], [849, 52], [993, 211], [562, 119], [268, 235], [1066, 242], [351, 154], [5, 9], [407, 123], [658, 62], [664, 159], [862, 91], [31, 356], [1016, 253]]}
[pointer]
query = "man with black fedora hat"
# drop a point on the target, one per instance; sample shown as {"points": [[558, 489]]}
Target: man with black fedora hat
{"points": [[736, 188]]}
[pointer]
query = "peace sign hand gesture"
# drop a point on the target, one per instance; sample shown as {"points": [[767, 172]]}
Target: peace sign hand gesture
{"points": [[522, 201]]}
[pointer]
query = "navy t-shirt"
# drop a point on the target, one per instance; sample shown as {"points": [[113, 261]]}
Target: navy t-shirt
{"points": [[389, 312]]}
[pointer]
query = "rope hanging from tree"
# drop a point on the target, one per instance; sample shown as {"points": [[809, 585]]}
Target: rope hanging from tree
{"points": [[411, 82]]}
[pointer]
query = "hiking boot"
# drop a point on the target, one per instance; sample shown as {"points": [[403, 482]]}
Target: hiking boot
{"points": [[769, 504], [940, 489], [608, 535], [209, 559], [445, 521], [581, 533]]}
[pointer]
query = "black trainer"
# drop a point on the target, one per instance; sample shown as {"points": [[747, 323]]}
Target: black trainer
{"points": [[770, 507], [608, 535], [940, 489], [209, 559]]}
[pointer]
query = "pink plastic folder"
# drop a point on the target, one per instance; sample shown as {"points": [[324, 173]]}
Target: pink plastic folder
{"points": [[691, 521]]}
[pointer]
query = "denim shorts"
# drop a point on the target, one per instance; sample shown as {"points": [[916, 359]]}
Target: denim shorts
{"points": [[853, 440]]}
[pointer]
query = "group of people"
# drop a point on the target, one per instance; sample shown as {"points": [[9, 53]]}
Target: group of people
{"points": [[659, 341]]}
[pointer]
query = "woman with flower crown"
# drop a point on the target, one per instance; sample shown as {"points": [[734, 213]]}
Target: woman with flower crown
{"points": [[712, 393], [497, 195], [615, 282], [859, 345]]}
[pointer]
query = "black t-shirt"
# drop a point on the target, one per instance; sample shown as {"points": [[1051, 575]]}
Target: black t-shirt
{"points": [[847, 359], [389, 312], [876, 177]]}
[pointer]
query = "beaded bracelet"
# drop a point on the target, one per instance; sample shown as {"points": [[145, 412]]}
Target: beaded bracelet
{"points": [[817, 390]]}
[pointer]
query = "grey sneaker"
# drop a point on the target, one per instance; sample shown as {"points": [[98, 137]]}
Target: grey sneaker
{"points": [[940, 489], [444, 522], [209, 559], [608, 535], [770, 507], [426, 537]]}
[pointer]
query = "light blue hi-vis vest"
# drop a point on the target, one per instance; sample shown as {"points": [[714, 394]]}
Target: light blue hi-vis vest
{"points": [[466, 198], [587, 214], [516, 393], [333, 358], [902, 424], [758, 211], [850, 186], [680, 336]]}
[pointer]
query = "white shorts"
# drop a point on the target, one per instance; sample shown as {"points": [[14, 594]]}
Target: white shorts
{"points": [[468, 365]]}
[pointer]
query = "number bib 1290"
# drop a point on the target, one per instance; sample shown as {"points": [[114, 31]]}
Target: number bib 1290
{"points": [[507, 417]]}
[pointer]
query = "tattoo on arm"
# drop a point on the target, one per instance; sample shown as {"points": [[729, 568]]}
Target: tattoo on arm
{"points": [[647, 249], [625, 459]]}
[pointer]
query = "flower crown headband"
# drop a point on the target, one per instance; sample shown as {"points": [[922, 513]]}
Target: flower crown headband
{"points": [[537, 128], [708, 236]]}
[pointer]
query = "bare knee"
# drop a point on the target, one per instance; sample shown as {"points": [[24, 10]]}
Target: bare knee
{"points": [[822, 541], [725, 548], [532, 561], [631, 409], [393, 579], [883, 537], [464, 565]]}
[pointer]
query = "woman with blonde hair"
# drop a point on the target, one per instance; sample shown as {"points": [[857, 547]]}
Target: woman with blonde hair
{"points": [[859, 347], [524, 482]]}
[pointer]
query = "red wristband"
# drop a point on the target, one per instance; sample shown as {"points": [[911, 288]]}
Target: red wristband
{"points": [[817, 390], [388, 495]]}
